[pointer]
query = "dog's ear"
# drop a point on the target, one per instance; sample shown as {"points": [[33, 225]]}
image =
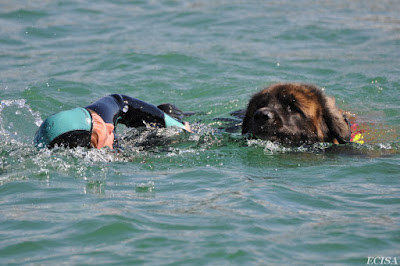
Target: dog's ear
{"points": [[245, 124], [251, 108], [258, 99], [336, 122]]}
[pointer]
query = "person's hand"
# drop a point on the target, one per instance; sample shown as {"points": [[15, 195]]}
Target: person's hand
{"points": [[187, 127]]}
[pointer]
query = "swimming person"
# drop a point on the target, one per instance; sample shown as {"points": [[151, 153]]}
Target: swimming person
{"points": [[93, 125]]}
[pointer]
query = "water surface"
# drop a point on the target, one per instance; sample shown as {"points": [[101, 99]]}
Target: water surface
{"points": [[211, 197]]}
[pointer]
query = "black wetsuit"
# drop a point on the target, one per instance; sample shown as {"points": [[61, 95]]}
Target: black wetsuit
{"points": [[119, 108], [73, 128]]}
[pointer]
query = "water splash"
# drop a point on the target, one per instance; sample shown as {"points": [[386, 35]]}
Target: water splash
{"points": [[368, 150], [275, 147], [79, 162], [18, 122], [145, 187]]}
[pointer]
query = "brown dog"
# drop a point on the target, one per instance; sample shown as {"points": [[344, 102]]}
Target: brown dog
{"points": [[294, 113]]}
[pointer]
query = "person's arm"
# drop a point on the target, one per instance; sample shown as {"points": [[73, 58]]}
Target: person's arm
{"points": [[118, 108]]}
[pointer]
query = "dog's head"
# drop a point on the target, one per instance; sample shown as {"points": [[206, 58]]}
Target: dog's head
{"points": [[294, 114]]}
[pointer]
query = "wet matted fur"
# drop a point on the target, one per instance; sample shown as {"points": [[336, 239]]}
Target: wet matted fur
{"points": [[294, 113]]}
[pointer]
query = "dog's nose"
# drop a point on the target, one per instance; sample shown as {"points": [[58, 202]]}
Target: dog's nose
{"points": [[263, 115]]}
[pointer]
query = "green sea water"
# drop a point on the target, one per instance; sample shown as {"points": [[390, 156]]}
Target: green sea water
{"points": [[209, 198]]}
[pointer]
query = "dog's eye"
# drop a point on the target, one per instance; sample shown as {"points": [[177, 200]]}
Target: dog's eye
{"points": [[292, 108]]}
